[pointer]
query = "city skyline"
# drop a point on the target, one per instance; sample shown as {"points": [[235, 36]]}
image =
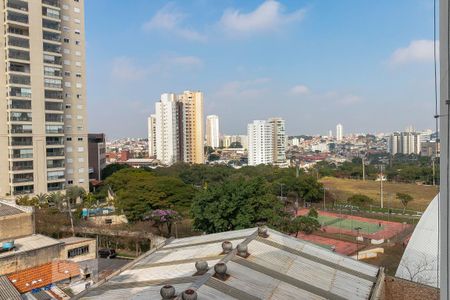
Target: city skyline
{"points": [[335, 75]]}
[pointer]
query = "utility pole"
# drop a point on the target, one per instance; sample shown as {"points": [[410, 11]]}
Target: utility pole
{"points": [[324, 189], [381, 185], [363, 169], [444, 135], [434, 170]]}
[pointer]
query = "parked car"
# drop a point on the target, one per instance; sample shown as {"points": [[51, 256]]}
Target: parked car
{"points": [[107, 253]]}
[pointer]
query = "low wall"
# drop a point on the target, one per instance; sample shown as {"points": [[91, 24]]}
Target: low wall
{"points": [[396, 288]]}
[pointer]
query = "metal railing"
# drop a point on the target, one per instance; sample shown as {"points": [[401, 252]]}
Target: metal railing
{"points": [[16, 17], [17, 4]]}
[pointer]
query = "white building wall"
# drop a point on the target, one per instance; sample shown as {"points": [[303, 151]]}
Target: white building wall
{"points": [[260, 149], [152, 136], [339, 132], [212, 131], [166, 129]]}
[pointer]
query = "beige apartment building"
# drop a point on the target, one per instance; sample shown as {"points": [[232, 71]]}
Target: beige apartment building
{"points": [[175, 131], [43, 122], [193, 124]]}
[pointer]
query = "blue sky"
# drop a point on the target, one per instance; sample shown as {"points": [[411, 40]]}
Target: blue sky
{"points": [[365, 64]]}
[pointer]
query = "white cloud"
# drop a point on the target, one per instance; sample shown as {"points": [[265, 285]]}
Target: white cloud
{"points": [[340, 98], [170, 19], [248, 89], [416, 51], [192, 61], [269, 15], [125, 68], [300, 90], [349, 99]]}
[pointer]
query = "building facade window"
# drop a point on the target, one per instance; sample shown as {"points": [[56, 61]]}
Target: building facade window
{"points": [[78, 251]]}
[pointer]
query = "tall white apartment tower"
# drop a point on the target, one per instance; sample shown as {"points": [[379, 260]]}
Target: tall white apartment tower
{"points": [[152, 136], [212, 131], [260, 143], [168, 140], [43, 121], [339, 132], [278, 141]]}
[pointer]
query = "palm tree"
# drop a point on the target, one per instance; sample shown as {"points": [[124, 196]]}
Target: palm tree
{"points": [[56, 199], [41, 199], [72, 194], [24, 200]]}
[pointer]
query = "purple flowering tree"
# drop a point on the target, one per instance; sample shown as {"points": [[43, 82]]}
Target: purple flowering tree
{"points": [[165, 216]]}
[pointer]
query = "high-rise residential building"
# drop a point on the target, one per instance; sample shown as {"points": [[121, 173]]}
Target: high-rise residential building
{"points": [[404, 142], [339, 132], [278, 142], [43, 121], [212, 131], [152, 136], [193, 124], [295, 142], [260, 143], [178, 128], [169, 129], [97, 155]]}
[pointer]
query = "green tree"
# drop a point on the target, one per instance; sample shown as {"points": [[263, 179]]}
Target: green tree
{"points": [[313, 213], [359, 200], [113, 168], [26, 200], [139, 191], [213, 157], [41, 199], [404, 199], [305, 224], [56, 199], [235, 145], [237, 203]]}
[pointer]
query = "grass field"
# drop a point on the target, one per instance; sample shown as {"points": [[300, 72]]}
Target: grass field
{"points": [[349, 224], [344, 188]]}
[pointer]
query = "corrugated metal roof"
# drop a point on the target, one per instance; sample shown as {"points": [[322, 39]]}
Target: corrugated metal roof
{"points": [[7, 290], [7, 210], [278, 267]]}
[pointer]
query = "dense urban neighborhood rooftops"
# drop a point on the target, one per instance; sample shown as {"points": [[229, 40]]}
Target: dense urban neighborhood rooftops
{"points": [[260, 266]]}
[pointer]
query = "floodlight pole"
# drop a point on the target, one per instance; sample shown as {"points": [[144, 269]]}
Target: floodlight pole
{"points": [[444, 213]]}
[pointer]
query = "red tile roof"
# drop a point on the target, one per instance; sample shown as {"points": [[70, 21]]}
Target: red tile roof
{"points": [[41, 276]]}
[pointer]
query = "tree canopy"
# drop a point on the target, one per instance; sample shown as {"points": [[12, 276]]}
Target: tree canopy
{"points": [[140, 191], [359, 200], [237, 203]]}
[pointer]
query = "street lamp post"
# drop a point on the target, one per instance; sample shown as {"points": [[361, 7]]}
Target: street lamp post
{"points": [[357, 242]]}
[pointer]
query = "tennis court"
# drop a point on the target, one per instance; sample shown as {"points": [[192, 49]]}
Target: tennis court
{"points": [[349, 224], [345, 224]]}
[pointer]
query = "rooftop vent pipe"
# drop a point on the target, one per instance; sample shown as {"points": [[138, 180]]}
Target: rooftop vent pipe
{"points": [[221, 271], [262, 231], [242, 250], [189, 294], [227, 246], [202, 267], [167, 292]]}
